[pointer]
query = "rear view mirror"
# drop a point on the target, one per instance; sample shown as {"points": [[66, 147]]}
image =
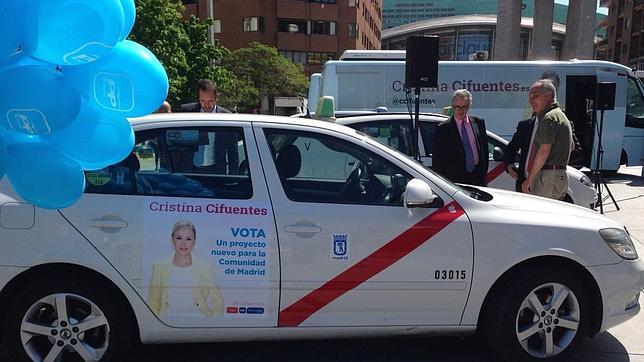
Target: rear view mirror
{"points": [[418, 194], [497, 154], [185, 139]]}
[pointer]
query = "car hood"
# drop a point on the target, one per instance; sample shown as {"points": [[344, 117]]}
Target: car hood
{"points": [[515, 201]]}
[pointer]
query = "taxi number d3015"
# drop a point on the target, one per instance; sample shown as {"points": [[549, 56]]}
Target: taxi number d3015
{"points": [[449, 274]]}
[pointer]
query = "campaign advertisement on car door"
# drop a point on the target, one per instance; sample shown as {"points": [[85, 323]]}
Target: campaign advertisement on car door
{"points": [[205, 258]]}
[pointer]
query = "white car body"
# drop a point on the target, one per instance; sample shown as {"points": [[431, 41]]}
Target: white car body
{"points": [[332, 269], [580, 188]]}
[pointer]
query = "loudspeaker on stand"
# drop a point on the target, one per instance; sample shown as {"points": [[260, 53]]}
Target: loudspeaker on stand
{"points": [[421, 62]]}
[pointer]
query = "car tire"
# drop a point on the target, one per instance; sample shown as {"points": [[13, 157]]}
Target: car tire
{"points": [[73, 317], [541, 314], [568, 199]]}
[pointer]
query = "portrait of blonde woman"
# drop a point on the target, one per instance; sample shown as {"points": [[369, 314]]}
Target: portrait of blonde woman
{"points": [[183, 286]]}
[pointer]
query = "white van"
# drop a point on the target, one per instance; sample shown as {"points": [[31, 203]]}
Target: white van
{"points": [[367, 80]]}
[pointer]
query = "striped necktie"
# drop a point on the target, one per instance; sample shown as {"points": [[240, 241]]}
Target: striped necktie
{"points": [[467, 147]]}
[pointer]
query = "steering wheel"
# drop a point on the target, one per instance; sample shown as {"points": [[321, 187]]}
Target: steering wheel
{"points": [[352, 187], [393, 194], [243, 168]]}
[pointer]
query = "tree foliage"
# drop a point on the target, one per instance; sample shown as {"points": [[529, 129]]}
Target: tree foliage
{"points": [[261, 70], [181, 46], [243, 76]]}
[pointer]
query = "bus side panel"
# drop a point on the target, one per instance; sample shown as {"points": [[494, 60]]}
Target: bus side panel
{"points": [[613, 125]]}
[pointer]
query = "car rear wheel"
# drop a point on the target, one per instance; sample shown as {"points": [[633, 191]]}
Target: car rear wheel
{"points": [[60, 318], [541, 315]]}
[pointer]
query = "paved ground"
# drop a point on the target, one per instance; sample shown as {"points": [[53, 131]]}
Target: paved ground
{"points": [[624, 342]]}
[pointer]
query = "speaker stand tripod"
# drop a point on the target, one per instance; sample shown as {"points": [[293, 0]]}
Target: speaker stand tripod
{"points": [[416, 125], [598, 179]]}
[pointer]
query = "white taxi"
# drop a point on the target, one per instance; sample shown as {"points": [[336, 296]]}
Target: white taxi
{"points": [[222, 227]]}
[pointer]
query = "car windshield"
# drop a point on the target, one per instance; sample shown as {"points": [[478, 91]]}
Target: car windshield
{"points": [[635, 103]]}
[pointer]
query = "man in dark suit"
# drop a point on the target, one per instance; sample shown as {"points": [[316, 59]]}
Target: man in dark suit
{"points": [[225, 143], [208, 97], [520, 143], [460, 144]]}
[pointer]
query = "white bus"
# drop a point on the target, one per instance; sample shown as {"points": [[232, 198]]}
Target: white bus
{"points": [[371, 80]]}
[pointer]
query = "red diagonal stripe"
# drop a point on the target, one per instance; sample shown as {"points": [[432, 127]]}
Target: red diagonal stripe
{"points": [[379, 260], [495, 172]]}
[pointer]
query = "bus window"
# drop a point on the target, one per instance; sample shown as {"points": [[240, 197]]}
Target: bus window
{"points": [[634, 104]]}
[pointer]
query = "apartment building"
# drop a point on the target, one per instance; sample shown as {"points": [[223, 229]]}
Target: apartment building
{"points": [[309, 32], [625, 32]]}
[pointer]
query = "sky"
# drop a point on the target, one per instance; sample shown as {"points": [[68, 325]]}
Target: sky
{"points": [[599, 10]]}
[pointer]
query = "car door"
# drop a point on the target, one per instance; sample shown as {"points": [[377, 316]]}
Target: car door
{"points": [[186, 219], [351, 254]]}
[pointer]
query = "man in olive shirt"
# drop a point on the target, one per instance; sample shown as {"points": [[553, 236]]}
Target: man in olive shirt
{"points": [[550, 146]]}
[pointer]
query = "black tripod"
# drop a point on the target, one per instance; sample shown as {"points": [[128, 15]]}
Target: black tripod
{"points": [[598, 179]]}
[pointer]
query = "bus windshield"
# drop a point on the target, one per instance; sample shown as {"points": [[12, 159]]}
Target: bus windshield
{"points": [[635, 103]]}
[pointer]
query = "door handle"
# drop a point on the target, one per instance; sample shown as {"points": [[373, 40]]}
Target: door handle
{"points": [[108, 223], [305, 229]]}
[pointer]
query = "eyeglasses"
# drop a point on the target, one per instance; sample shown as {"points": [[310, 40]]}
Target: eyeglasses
{"points": [[461, 108]]}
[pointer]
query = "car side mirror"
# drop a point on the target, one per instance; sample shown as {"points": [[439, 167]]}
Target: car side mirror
{"points": [[418, 194], [497, 154]]}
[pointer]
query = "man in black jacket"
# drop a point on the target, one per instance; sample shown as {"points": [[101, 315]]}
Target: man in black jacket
{"points": [[520, 143], [224, 158], [460, 151], [208, 97]]}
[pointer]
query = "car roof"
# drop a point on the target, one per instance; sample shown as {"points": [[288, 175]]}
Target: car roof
{"points": [[386, 116], [158, 118]]}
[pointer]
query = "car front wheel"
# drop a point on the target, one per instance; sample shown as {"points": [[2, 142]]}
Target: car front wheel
{"points": [[542, 315]]}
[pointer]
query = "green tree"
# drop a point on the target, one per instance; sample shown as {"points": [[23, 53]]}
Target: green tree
{"points": [[181, 46], [202, 56], [261, 70]]}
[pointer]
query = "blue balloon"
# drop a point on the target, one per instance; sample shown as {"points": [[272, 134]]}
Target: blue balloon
{"points": [[129, 12], [130, 82], [16, 21], [36, 100], [72, 32], [11, 137], [3, 157], [95, 140], [12, 30], [44, 176]]}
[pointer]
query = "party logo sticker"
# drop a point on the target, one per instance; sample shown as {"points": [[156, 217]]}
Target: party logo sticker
{"points": [[86, 54], [30, 121], [114, 91]]}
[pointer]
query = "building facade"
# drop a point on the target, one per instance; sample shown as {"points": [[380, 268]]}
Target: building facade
{"points": [[468, 37], [307, 32], [624, 27], [399, 12]]}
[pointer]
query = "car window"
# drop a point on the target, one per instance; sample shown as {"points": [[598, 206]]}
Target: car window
{"points": [[395, 133], [183, 162], [427, 133], [319, 168], [491, 143]]}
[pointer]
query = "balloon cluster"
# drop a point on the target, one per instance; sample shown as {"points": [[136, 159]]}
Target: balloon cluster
{"points": [[68, 80]]}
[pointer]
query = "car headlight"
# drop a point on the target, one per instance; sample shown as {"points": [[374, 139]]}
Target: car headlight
{"points": [[620, 242], [586, 181]]}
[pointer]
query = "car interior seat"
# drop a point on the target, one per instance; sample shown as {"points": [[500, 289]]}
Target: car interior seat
{"points": [[289, 162]]}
